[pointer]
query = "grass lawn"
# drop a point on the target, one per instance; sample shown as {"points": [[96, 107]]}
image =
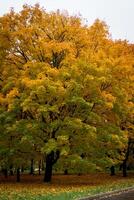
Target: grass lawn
{"points": [[62, 187]]}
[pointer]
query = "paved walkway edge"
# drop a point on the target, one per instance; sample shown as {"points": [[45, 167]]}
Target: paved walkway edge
{"points": [[107, 194]]}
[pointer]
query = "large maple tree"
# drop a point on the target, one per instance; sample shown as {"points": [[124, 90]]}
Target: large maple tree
{"points": [[65, 90]]}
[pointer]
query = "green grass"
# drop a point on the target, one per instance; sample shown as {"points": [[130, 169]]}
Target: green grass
{"points": [[71, 195], [69, 187], [89, 192]]}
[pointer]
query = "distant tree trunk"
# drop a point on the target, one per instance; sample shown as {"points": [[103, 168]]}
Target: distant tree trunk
{"points": [[65, 172], [124, 164], [120, 167], [5, 172], [124, 168], [22, 169], [39, 165], [32, 167], [18, 175], [43, 165], [112, 171], [11, 170], [51, 159]]}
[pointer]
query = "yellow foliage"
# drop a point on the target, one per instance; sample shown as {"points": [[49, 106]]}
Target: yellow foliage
{"points": [[13, 93]]}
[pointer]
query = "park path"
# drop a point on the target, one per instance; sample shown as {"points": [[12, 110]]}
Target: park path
{"points": [[129, 195], [122, 195]]}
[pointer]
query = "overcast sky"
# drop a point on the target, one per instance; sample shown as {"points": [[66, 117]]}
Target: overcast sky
{"points": [[118, 14]]}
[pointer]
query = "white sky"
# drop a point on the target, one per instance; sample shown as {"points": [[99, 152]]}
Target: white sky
{"points": [[118, 14]]}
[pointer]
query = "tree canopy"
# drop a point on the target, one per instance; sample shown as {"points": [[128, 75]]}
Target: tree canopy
{"points": [[66, 92]]}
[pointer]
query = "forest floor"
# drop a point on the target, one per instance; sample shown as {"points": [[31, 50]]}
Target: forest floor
{"points": [[63, 187]]}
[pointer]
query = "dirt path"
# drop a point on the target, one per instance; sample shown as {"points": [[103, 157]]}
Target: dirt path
{"points": [[129, 195]]}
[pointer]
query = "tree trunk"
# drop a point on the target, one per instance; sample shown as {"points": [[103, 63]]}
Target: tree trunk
{"points": [[120, 167], [11, 170], [112, 171], [39, 167], [124, 167], [124, 164], [22, 169], [51, 159], [18, 175], [32, 167], [65, 172], [49, 166], [5, 172], [43, 165]]}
